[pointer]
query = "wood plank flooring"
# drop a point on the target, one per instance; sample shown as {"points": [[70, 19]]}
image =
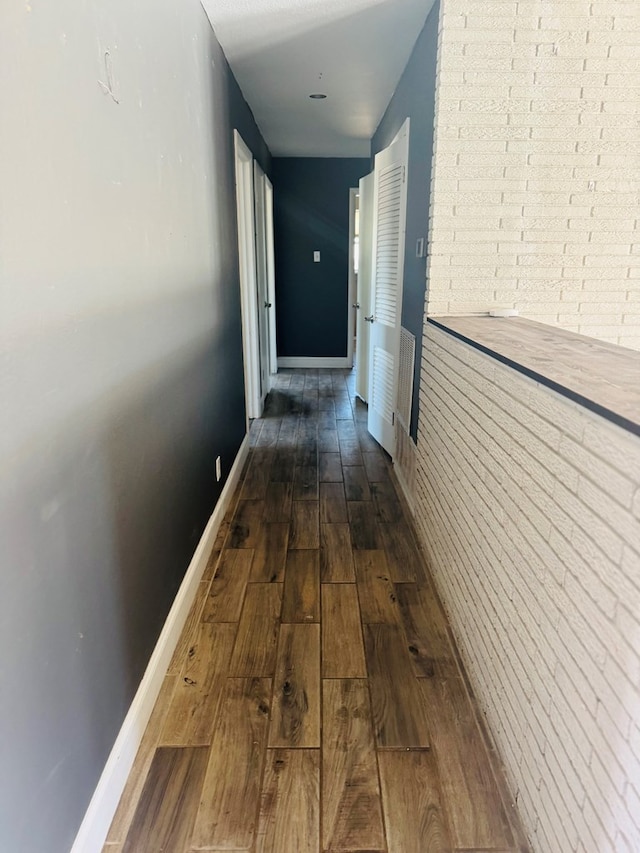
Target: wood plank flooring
{"points": [[315, 701]]}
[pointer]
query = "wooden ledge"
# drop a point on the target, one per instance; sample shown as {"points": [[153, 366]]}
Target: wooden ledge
{"points": [[600, 376]]}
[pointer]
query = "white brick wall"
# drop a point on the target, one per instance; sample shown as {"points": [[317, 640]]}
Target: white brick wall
{"points": [[536, 178], [528, 506]]}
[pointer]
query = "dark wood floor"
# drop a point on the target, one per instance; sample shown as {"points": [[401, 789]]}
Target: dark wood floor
{"points": [[315, 701]]}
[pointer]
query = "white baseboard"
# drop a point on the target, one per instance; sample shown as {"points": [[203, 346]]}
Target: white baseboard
{"points": [[97, 820], [304, 361], [404, 464], [405, 489]]}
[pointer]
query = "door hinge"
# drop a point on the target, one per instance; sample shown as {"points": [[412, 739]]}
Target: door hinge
{"points": [[404, 174], [393, 418]]}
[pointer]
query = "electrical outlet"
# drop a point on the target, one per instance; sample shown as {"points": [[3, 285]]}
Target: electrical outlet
{"points": [[218, 469], [316, 257]]}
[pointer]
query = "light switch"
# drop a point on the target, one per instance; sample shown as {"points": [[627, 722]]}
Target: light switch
{"points": [[316, 257]]}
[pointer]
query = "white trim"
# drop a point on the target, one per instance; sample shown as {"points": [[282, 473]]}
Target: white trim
{"points": [[245, 202], [403, 131], [97, 820], [397, 470], [304, 361], [404, 466]]}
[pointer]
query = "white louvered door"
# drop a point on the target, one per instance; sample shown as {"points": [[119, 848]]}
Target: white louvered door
{"points": [[390, 207]]}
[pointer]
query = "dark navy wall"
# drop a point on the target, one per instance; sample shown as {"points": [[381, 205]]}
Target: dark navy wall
{"points": [[241, 119], [415, 97], [312, 213], [122, 375]]}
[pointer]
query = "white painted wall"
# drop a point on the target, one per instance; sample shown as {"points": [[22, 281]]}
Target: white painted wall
{"points": [[528, 508], [536, 178]]}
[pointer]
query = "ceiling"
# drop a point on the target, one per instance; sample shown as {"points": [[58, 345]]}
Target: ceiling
{"points": [[354, 51]]}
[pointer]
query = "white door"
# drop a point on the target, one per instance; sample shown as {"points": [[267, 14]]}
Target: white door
{"points": [[254, 395], [353, 275], [390, 208], [363, 297], [263, 303], [271, 275]]}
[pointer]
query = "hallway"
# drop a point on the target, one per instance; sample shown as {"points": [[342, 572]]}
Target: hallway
{"points": [[315, 701]]}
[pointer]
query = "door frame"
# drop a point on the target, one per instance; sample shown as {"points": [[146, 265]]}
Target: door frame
{"points": [[248, 276]]}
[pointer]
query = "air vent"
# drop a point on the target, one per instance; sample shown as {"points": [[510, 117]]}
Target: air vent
{"points": [[405, 377]]}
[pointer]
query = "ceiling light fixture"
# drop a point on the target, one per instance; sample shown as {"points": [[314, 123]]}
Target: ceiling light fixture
{"points": [[318, 96]]}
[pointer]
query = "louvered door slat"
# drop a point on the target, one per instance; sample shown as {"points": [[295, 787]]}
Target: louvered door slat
{"points": [[387, 252]]}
